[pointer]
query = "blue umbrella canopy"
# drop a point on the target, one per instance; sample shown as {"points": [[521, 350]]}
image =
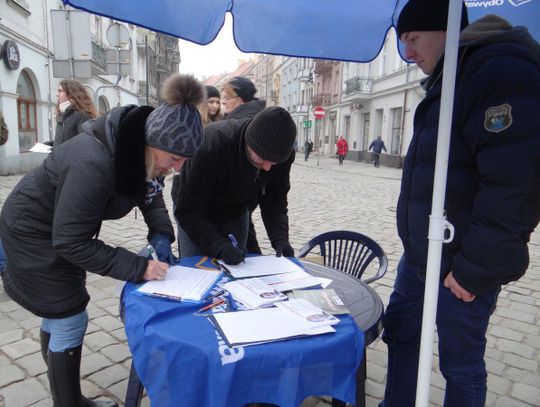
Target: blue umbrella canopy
{"points": [[348, 30]]}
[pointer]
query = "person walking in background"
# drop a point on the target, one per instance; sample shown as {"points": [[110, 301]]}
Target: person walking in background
{"points": [[240, 160], [377, 146], [211, 109], [4, 131], [308, 148], [492, 195], [342, 149], [50, 222], [74, 106]]}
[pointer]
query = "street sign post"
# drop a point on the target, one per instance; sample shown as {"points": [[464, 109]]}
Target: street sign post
{"points": [[319, 112]]}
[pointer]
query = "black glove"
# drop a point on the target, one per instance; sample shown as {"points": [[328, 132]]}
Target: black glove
{"points": [[283, 248], [232, 255]]}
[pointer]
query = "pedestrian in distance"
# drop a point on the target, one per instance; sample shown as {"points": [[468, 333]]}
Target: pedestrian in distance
{"points": [[49, 224], [240, 161], [342, 149], [308, 148], [377, 146], [492, 195], [74, 106]]}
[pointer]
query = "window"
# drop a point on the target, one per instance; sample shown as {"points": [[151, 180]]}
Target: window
{"points": [[26, 111], [396, 130]]}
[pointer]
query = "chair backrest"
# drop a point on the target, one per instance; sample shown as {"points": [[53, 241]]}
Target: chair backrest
{"points": [[347, 251]]}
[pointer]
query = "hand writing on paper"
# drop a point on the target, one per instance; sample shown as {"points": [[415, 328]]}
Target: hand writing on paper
{"points": [[156, 270], [458, 291]]}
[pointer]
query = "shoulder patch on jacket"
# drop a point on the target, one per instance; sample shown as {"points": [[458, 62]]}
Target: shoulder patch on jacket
{"points": [[498, 118]]}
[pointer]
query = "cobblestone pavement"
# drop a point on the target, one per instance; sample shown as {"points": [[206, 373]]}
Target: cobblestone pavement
{"points": [[324, 196]]}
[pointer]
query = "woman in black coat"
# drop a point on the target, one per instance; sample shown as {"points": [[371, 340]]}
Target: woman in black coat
{"points": [[74, 107], [50, 223]]}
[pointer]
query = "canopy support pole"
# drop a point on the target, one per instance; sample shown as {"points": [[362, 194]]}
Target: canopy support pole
{"points": [[438, 223]]}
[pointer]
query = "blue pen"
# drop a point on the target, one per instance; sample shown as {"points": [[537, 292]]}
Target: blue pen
{"points": [[234, 242]]}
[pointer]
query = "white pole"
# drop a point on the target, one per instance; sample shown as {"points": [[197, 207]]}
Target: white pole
{"points": [[438, 223]]}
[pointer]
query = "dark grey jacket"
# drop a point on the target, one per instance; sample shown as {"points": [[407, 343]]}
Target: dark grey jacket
{"points": [[69, 125], [50, 221]]}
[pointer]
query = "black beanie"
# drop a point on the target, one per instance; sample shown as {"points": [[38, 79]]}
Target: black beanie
{"points": [[427, 15], [271, 134], [243, 88], [211, 92]]}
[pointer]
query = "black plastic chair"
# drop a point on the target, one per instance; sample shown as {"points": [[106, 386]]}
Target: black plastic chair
{"points": [[350, 252]]}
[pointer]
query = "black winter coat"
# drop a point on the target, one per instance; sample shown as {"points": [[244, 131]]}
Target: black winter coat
{"points": [[219, 184], [50, 221], [69, 125], [493, 186]]}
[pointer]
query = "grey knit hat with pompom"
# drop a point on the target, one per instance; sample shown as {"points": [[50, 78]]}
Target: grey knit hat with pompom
{"points": [[176, 126]]}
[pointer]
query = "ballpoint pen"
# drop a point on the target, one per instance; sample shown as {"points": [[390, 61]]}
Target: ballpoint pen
{"points": [[234, 242], [213, 305], [151, 252]]}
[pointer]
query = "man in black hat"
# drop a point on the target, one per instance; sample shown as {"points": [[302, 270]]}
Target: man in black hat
{"points": [[492, 195], [240, 159]]}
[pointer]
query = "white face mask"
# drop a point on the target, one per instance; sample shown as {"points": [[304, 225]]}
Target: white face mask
{"points": [[64, 105]]}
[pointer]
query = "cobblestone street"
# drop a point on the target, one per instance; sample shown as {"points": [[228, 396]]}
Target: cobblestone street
{"points": [[324, 196]]}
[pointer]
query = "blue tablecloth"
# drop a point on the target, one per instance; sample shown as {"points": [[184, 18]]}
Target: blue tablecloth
{"points": [[182, 361]]}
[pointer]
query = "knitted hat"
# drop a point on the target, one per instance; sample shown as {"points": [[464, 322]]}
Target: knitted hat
{"points": [[271, 134], [427, 15], [211, 92], [176, 126], [243, 88]]}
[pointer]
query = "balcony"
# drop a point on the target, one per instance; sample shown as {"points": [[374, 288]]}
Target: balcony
{"points": [[358, 84], [321, 99], [323, 66]]}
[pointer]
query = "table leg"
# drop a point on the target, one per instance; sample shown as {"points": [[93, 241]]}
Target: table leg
{"points": [[361, 375], [134, 390]]}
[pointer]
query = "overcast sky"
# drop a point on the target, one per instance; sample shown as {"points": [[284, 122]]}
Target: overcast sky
{"points": [[219, 56]]}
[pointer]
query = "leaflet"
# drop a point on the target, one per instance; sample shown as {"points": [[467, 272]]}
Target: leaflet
{"points": [[253, 293], [294, 280], [257, 266], [181, 283]]}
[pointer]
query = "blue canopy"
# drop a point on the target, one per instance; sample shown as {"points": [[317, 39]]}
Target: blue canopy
{"points": [[348, 30]]}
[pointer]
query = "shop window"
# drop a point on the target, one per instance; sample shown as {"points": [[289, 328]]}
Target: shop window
{"points": [[26, 109]]}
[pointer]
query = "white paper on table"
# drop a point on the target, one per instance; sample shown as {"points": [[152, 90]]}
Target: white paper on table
{"points": [[294, 280], [263, 325], [262, 266], [41, 148], [182, 284], [253, 292], [308, 312]]}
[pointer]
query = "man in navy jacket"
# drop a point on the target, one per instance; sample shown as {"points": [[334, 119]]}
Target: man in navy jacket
{"points": [[492, 195]]}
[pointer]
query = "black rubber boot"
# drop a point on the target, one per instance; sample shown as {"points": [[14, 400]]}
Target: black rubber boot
{"points": [[44, 337], [64, 378]]}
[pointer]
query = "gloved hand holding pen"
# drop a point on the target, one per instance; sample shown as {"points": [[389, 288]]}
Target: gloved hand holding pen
{"points": [[231, 253], [162, 247]]}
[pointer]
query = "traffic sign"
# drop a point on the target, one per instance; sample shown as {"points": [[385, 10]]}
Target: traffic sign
{"points": [[307, 124], [319, 112]]}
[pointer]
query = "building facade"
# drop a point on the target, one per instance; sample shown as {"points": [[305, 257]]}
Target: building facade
{"points": [[44, 42]]}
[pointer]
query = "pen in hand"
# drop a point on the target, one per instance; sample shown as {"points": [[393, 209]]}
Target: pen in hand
{"points": [[234, 242]]}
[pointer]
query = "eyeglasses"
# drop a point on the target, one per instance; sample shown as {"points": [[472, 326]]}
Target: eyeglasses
{"points": [[229, 97]]}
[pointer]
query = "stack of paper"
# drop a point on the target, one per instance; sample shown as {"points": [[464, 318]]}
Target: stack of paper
{"points": [[295, 280], [261, 266], [253, 293], [289, 319], [182, 284]]}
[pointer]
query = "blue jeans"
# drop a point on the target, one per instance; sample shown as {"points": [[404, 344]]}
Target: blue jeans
{"points": [[461, 328], [66, 333], [237, 227]]}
